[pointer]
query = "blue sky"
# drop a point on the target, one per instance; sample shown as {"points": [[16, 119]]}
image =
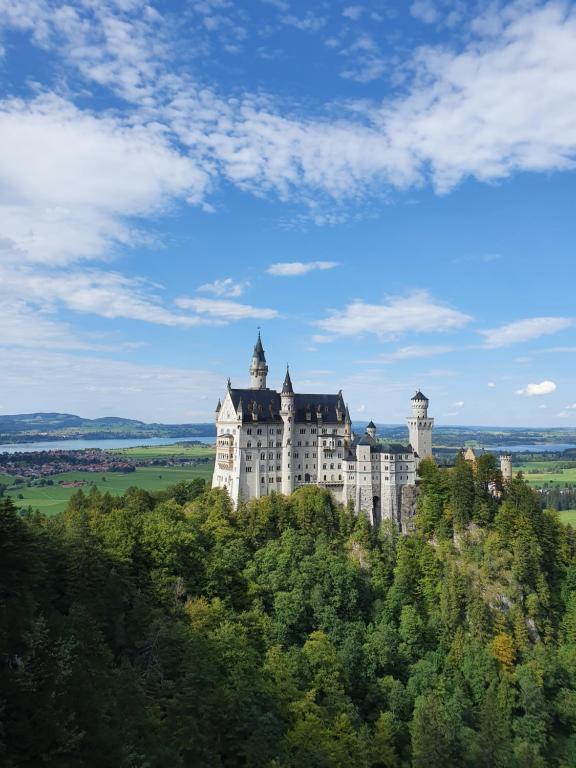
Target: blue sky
{"points": [[387, 189]]}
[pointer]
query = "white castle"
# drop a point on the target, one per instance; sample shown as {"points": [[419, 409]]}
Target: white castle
{"points": [[278, 441]]}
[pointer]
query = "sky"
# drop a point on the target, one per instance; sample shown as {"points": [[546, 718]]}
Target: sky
{"points": [[386, 189]]}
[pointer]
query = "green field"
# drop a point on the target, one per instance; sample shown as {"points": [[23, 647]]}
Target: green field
{"points": [[559, 477], [568, 516], [163, 451], [53, 499]]}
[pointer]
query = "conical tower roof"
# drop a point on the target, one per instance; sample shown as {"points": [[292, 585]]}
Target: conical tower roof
{"points": [[287, 386], [259, 350]]}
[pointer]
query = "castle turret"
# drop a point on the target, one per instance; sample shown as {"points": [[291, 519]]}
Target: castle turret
{"points": [[420, 426], [258, 366], [506, 466], [371, 430], [287, 416]]}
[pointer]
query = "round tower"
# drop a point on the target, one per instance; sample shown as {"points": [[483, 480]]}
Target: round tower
{"points": [[258, 366], [287, 415], [420, 426], [419, 405], [506, 466], [371, 430]]}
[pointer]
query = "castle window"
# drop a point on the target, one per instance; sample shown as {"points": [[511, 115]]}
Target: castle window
{"points": [[324, 430], [339, 443], [306, 456], [306, 466], [339, 466], [249, 431], [258, 431], [259, 444], [248, 457], [302, 431], [248, 469], [278, 467], [270, 455], [323, 466], [331, 466], [299, 477], [313, 431], [261, 479], [300, 442], [323, 442], [262, 456], [249, 444], [324, 477]]}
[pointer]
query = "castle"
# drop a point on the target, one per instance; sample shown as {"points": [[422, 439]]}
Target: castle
{"points": [[278, 441]]}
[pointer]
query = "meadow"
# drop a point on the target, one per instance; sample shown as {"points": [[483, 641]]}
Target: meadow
{"points": [[51, 499], [547, 472]]}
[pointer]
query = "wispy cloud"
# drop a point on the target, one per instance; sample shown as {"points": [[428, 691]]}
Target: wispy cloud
{"points": [[106, 294], [418, 313], [227, 287], [524, 330], [543, 388], [414, 351], [296, 268], [225, 310]]}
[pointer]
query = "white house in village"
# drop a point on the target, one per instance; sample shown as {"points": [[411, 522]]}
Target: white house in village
{"points": [[277, 441]]}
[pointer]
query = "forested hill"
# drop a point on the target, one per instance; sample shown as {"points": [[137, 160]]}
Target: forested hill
{"points": [[25, 427], [167, 630]]}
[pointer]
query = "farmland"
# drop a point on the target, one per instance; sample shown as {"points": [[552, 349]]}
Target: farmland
{"points": [[540, 473], [53, 499], [179, 462], [568, 516]]}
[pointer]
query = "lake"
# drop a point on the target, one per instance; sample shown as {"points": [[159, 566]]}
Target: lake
{"points": [[531, 448], [79, 445]]}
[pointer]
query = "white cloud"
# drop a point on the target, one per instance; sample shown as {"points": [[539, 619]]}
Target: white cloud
{"points": [[524, 330], [417, 313], [425, 11], [491, 384], [571, 407], [74, 185], [95, 386], [106, 294], [459, 404], [310, 22], [294, 268], [468, 112], [226, 310], [353, 12], [543, 388], [227, 287], [23, 326], [415, 351]]}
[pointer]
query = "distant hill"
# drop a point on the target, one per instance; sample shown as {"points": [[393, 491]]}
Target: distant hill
{"points": [[26, 427]]}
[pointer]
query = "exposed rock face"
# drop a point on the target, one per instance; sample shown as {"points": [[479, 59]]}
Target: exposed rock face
{"points": [[408, 500]]}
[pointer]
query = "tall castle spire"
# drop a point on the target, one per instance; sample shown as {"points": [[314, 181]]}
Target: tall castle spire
{"points": [[258, 367]]}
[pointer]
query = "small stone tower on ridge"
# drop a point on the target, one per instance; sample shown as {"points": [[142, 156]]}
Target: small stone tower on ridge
{"points": [[420, 426], [506, 466], [258, 366]]}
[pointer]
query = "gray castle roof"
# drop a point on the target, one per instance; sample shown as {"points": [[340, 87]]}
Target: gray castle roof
{"points": [[371, 425], [267, 402], [376, 447], [419, 396]]}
